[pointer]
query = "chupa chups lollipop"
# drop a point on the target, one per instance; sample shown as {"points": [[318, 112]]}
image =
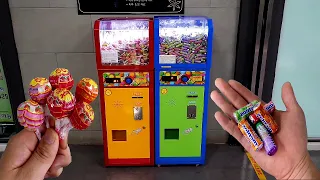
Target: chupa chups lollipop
{"points": [[31, 116], [87, 90], [61, 78], [61, 103], [81, 118], [40, 89]]}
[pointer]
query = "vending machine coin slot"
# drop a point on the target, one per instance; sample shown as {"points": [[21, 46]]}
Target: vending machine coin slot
{"points": [[137, 113], [191, 112], [192, 96]]}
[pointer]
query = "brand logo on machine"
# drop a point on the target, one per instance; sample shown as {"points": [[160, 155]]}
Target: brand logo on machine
{"points": [[140, 80], [246, 112], [137, 94], [263, 120], [196, 78], [250, 135]]}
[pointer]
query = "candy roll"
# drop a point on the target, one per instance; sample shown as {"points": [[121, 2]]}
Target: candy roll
{"points": [[269, 144], [250, 135], [245, 112], [266, 118]]}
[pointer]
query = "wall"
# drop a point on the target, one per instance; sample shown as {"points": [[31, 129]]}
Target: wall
{"points": [[50, 34]]}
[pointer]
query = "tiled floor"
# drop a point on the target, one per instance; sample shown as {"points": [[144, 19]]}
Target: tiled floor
{"points": [[223, 162]]}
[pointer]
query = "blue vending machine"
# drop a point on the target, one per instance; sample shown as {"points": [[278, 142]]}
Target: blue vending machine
{"points": [[183, 52]]}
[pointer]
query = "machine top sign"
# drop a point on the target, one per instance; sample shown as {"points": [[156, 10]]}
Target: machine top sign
{"points": [[131, 7]]}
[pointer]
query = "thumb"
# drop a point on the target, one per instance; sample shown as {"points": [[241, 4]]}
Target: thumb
{"points": [[288, 97], [44, 155]]}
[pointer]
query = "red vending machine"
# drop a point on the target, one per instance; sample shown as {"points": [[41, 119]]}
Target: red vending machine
{"points": [[124, 55]]}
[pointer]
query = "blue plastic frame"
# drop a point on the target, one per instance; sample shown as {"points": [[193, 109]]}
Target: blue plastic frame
{"points": [[181, 67]]}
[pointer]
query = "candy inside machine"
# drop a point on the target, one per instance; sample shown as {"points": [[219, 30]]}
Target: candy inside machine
{"points": [[183, 50], [125, 64]]}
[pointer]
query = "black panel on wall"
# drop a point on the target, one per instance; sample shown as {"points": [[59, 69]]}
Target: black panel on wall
{"points": [[10, 61], [273, 47], [245, 49]]}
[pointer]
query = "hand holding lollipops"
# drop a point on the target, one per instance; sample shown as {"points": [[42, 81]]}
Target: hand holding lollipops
{"points": [[61, 103]]}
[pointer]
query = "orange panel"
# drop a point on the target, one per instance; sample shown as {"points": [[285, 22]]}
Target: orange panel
{"points": [[127, 137]]}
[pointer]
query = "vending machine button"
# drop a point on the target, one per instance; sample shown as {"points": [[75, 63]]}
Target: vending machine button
{"points": [[184, 78], [128, 80]]}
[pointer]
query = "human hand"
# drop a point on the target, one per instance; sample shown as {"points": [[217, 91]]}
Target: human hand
{"points": [[26, 159], [292, 160]]}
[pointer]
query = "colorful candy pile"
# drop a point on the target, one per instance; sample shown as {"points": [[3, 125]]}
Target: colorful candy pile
{"points": [[187, 48], [260, 117], [69, 111]]}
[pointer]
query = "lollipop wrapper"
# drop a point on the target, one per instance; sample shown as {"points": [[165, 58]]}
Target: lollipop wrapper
{"points": [[61, 103], [61, 78], [63, 127], [86, 90], [31, 116], [40, 89], [82, 116]]}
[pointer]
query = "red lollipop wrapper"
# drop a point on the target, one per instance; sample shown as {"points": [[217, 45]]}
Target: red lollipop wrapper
{"points": [[87, 90], [61, 103], [40, 89], [61, 78], [31, 116], [81, 118]]}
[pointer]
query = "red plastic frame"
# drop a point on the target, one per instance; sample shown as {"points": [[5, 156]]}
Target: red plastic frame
{"points": [[150, 66]]}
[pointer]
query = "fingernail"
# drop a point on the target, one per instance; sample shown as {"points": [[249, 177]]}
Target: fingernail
{"points": [[49, 138]]}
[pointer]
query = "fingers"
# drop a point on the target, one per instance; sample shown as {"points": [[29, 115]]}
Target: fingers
{"points": [[225, 106], [243, 91], [288, 97], [44, 155], [62, 160], [19, 150], [232, 95]]}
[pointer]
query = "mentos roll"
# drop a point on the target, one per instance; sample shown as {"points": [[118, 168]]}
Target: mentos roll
{"points": [[268, 142], [270, 108], [250, 135], [244, 112], [266, 119]]}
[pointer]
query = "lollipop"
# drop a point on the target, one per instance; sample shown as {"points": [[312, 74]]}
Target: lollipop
{"points": [[81, 118], [61, 103], [61, 78], [40, 89], [87, 90], [31, 116]]}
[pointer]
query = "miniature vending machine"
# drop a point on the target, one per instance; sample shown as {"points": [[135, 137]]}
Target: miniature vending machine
{"points": [[124, 55], [183, 49]]}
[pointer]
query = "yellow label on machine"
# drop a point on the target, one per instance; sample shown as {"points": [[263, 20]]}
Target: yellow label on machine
{"points": [[256, 167], [127, 122]]}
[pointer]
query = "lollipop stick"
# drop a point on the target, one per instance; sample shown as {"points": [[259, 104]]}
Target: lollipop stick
{"points": [[63, 126], [65, 131], [38, 134]]}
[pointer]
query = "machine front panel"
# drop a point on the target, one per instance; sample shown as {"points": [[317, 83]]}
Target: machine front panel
{"points": [[127, 122], [181, 115]]}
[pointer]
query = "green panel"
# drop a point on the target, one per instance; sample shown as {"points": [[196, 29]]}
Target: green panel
{"points": [[180, 132]]}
